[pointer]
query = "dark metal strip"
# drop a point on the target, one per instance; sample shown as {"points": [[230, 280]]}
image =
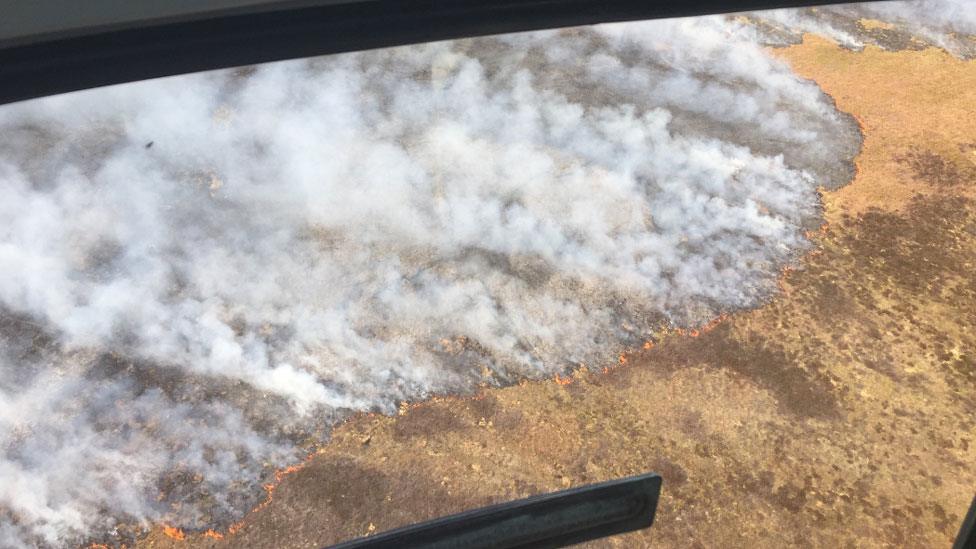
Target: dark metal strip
{"points": [[550, 520], [967, 532], [59, 64]]}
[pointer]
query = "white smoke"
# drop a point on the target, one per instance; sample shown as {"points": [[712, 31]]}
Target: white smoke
{"points": [[948, 24], [307, 239]]}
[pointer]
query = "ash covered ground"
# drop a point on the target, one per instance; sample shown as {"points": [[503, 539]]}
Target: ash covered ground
{"points": [[202, 275]]}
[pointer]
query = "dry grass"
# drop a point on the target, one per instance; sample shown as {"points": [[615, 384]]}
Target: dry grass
{"points": [[840, 414]]}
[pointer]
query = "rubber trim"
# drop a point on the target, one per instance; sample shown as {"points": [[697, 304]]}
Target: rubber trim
{"points": [[49, 65]]}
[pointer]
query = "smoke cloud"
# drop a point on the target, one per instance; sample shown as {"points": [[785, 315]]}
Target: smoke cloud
{"points": [[947, 24], [199, 275]]}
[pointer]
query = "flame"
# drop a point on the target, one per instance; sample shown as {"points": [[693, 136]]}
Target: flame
{"points": [[705, 328], [857, 160], [819, 233], [269, 488], [174, 533], [713, 323], [280, 474], [562, 380]]}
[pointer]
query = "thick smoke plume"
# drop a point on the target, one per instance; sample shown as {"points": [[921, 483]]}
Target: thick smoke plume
{"points": [[199, 275]]}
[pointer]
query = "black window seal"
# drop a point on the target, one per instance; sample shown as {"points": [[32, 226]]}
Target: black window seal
{"points": [[54, 63]]}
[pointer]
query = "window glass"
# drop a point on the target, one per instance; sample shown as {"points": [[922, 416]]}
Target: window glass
{"points": [[292, 304]]}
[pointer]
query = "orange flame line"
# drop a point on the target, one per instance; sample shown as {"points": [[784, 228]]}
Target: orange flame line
{"points": [[269, 488], [174, 533], [562, 380], [280, 474]]}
